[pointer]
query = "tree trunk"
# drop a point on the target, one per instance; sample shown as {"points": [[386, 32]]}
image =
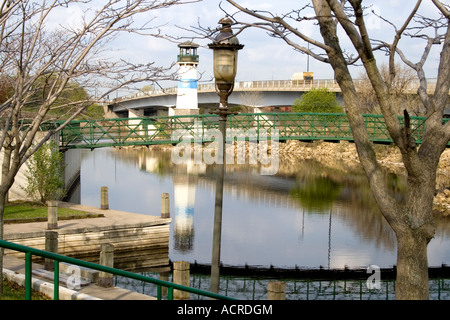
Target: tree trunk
{"points": [[6, 183], [412, 221], [414, 230], [2, 207], [5, 166], [412, 266]]}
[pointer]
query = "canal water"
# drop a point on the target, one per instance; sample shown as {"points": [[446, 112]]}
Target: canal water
{"points": [[307, 216]]}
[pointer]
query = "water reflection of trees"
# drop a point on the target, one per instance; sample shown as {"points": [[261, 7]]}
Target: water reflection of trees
{"points": [[317, 194], [307, 184], [344, 190]]}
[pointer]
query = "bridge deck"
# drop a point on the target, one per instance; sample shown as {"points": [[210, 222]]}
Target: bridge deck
{"points": [[204, 128], [271, 85]]}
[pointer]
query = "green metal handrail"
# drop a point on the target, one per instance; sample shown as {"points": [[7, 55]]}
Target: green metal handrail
{"points": [[29, 252], [290, 126]]}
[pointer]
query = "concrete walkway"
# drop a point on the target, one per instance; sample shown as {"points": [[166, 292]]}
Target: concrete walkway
{"points": [[113, 219], [14, 268]]}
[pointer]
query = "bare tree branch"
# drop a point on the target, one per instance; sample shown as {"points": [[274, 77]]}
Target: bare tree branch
{"points": [[41, 60], [280, 28], [397, 37], [443, 8]]}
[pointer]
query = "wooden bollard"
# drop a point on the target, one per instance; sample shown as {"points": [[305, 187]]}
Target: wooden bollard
{"points": [[106, 259], [52, 215], [104, 201], [165, 205], [51, 245], [181, 275], [165, 277], [276, 290]]}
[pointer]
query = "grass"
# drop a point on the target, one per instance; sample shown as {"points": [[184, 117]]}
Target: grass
{"points": [[13, 291], [29, 210]]}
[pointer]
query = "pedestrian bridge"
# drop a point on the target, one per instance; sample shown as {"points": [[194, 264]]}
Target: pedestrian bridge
{"points": [[250, 126], [270, 93]]}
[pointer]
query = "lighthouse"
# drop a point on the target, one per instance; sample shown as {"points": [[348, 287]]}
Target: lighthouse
{"points": [[187, 100]]}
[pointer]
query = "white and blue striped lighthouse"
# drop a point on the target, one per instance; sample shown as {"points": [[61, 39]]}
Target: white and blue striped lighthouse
{"points": [[187, 100]]}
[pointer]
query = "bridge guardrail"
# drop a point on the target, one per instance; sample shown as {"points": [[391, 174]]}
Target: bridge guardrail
{"points": [[289, 126]]}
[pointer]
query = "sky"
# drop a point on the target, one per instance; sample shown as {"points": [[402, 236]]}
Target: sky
{"points": [[263, 57]]}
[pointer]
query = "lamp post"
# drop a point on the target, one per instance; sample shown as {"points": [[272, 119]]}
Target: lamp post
{"points": [[225, 48]]}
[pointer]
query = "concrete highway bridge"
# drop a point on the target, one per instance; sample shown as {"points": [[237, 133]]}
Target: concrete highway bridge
{"points": [[258, 94]]}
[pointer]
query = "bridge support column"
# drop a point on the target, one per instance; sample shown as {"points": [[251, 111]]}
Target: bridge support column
{"points": [[186, 112], [135, 113], [144, 129]]}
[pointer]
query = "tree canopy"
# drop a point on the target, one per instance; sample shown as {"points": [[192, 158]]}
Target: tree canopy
{"points": [[318, 100]]}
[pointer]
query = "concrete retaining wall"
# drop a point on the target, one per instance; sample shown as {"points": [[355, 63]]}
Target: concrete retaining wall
{"points": [[46, 288], [134, 247], [72, 172]]}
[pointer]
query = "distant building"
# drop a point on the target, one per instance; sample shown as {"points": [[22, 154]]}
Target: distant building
{"points": [[303, 76]]}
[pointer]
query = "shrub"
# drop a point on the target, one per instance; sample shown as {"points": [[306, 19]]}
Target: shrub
{"points": [[317, 100], [45, 174]]}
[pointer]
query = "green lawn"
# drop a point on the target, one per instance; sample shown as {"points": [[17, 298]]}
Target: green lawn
{"points": [[24, 210], [13, 291]]}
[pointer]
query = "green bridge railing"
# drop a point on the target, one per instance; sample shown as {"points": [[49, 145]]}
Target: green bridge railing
{"points": [[29, 252], [169, 130]]}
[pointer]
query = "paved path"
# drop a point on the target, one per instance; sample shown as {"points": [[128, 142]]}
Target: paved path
{"points": [[112, 219]]}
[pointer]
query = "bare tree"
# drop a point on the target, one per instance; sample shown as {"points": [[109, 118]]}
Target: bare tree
{"points": [[40, 62], [412, 221], [251, 100], [402, 97]]}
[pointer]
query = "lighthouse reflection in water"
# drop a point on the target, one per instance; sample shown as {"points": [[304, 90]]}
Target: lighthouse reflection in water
{"points": [[184, 186]]}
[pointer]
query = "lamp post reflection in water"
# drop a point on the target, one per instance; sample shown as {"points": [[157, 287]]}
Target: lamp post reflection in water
{"points": [[225, 47]]}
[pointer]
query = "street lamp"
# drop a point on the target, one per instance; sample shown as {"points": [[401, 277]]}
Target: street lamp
{"points": [[225, 48]]}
